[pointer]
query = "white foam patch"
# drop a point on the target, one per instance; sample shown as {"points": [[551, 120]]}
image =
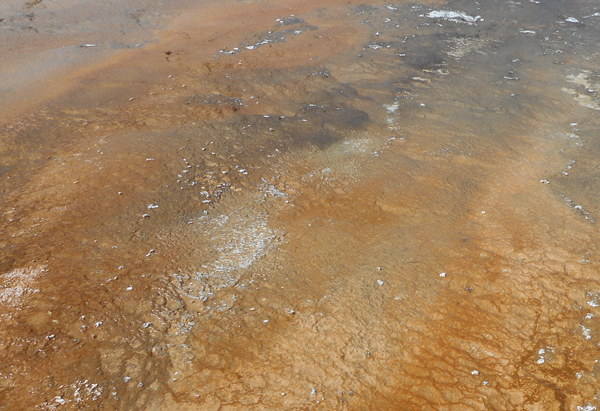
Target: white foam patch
{"points": [[238, 239], [582, 80], [80, 393], [454, 16], [240, 242], [18, 283], [362, 145], [463, 46], [594, 299], [271, 189], [587, 333], [392, 108]]}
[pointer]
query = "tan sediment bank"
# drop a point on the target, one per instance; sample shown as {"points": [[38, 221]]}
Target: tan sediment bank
{"points": [[303, 205]]}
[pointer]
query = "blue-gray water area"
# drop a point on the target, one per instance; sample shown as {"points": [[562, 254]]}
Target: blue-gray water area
{"points": [[298, 205]]}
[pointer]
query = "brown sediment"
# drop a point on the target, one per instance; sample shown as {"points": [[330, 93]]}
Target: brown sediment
{"points": [[375, 233]]}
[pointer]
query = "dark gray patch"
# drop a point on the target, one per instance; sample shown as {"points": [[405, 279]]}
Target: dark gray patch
{"points": [[349, 92], [425, 56], [321, 139], [338, 117]]}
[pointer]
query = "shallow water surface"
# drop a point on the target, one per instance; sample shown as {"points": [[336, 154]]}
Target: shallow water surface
{"points": [[285, 205]]}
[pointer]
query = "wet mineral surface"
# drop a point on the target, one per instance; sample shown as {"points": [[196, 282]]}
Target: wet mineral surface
{"points": [[299, 205]]}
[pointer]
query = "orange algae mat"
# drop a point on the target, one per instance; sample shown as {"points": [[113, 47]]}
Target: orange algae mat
{"points": [[299, 205]]}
